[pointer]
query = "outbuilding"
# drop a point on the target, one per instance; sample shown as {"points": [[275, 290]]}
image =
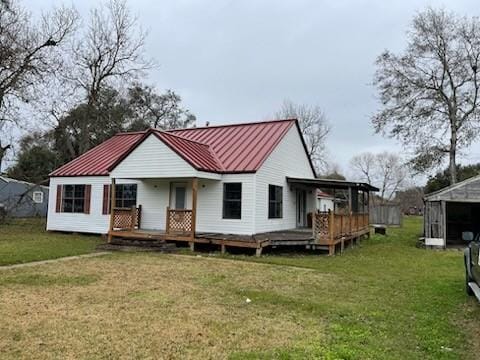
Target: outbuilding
{"points": [[22, 199], [451, 211]]}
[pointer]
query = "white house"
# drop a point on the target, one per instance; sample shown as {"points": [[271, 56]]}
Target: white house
{"points": [[240, 179], [325, 202]]}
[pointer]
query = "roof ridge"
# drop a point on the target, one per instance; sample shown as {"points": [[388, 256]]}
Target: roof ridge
{"points": [[232, 125], [131, 132]]}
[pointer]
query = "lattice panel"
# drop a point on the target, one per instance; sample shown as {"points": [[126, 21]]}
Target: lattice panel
{"points": [[321, 225], [180, 221], [122, 219], [126, 218]]}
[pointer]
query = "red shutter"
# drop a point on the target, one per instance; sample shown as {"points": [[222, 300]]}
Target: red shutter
{"points": [[86, 204], [106, 199], [58, 205]]}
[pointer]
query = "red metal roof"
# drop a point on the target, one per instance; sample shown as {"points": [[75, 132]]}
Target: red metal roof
{"points": [[197, 154], [240, 147], [236, 148], [98, 160]]}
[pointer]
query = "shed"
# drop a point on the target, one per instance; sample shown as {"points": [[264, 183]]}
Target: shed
{"points": [[451, 211], [23, 199]]}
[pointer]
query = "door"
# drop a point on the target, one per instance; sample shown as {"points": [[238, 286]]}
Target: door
{"points": [[301, 208], [179, 196]]}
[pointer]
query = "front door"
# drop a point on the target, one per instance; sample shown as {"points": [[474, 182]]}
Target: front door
{"points": [[179, 196], [301, 208]]}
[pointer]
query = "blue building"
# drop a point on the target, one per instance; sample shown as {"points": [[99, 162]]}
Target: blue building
{"points": [[22, 199]]}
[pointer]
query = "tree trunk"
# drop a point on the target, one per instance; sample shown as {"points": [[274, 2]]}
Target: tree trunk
{"points": [[452, 155], [3, 152]]}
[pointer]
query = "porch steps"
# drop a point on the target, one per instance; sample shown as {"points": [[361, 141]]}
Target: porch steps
{"points": [[133, 245]]}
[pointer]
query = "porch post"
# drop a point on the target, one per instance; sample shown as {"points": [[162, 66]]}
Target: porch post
{"points": [[112, 206], [350, 208], [194, 205]]}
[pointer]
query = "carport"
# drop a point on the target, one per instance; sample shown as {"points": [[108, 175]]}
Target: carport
{"points": [[451, 211]]}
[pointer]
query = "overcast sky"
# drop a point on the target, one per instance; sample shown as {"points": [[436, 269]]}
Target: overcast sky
{"points": [[236, 61]]}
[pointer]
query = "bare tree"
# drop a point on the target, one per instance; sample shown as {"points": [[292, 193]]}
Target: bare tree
{"points": [[429, 93], [110, 50], [384, 170], [314, 125], [29, 53], [157, 110]]}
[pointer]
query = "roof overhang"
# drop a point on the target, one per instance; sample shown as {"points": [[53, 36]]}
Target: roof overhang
{"points": [[331, 184]]}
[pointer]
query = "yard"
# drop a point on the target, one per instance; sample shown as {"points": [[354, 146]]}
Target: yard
{"points": [[25, 240], [385, 299]]}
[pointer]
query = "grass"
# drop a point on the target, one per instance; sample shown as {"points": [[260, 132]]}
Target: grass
{"points": [[383, 300], [25, 240]]}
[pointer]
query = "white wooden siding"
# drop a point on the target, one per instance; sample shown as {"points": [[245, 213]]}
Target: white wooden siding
{"points": [[288, 159], [95, 222], [153, 195], [210, 206], [153, 159]]}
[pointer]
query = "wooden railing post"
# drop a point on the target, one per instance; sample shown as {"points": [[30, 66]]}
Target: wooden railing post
{"points": [[112, 212], [139, 215], [350, 216], [341, 224], [133, 217], [194, 205], [331, 228], [314, 219], [167, 220]]}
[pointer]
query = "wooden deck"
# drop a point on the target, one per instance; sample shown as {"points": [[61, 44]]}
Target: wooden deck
{"points": [[329, 231], [294, 237]]}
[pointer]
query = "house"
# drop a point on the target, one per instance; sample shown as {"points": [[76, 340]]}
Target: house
{"points": [[228, 185], [451, 211], [325, 201], [22, 199]]}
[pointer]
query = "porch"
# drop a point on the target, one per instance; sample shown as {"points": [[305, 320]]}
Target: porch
{"points": [[345, 224], [180, 222], [331, 232]]}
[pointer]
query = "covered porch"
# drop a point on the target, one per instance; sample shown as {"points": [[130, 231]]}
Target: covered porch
{"points": [[331, 230], [348, 220], [180, 212]]}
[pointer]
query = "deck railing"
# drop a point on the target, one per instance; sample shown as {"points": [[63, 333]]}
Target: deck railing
{"points": [[329, 226], [127, 218], [179, 222]]}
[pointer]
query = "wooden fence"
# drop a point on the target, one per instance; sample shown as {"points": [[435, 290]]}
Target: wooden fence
{"points": [[386, 214]]}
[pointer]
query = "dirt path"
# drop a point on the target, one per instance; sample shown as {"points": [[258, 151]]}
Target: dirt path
{"points": [[42, 262]]}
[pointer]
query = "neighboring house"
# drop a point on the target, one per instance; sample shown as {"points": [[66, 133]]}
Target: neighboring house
{"points": [[23, 199], [240, 180], [325, 202], [450, 211]]}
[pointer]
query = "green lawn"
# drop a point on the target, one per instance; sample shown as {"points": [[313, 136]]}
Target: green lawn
{"points": [[391, 300], [385, 299], [25, 240]]}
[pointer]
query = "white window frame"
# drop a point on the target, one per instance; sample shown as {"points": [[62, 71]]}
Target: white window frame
{"points": [[34, 197]]}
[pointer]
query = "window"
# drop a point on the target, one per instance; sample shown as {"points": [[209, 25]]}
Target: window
{"points": [[73, 198], [37, 197], [126, 195], [232, 201], [275, 202]]}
